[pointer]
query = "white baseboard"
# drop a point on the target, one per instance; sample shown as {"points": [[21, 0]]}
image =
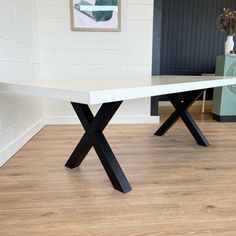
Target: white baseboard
{"points": [[18, 143], [60, 120], [135, 120]]}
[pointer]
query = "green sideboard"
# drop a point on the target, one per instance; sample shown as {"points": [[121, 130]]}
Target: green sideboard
{"points": [[224, 98]]}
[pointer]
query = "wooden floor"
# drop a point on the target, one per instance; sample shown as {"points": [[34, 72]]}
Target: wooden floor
{"points": [[179, 188]]}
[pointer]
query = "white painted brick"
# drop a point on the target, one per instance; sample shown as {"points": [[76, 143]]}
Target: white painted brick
{"points": [[22, 125], [16, 52], [1, 49], [7, 8], [26, 4], [143, 107], [62, 56], [7, 99], [112, 41], [18, 55], [23, 16], [27, 112], [84, 40], [66, 54], [140, 27], [8, 117], [47, 56], [140, 42], [22, 34], [80, 71], [55, 70], [140, 12], [139, 57], [55, 41], [5, 138], [7, 70], [7, 32], [25, 107], [61, 25], [139, 70], [9, 50], [106, 57], [54, 107], [34, 71], [22, 71], [137, 2], [59, 8], [34, 55], [45, 25], [70, 56], [74, 55]]}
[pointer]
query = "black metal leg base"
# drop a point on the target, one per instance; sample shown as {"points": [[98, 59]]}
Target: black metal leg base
{"points": [[94, 137], [181, 107]]}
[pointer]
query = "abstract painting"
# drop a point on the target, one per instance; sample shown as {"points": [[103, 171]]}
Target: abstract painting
{"points": [[95, 15]]}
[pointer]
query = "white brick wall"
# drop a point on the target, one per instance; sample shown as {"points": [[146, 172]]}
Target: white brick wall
{"points": [[67, 54], [36, 42], [18, 60], [122, 52]]}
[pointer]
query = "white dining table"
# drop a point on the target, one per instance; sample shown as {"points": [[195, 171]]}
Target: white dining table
{"points": [[110, 93]]}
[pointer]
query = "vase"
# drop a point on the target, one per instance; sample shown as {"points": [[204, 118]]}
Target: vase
{"points": [[229, 44]]}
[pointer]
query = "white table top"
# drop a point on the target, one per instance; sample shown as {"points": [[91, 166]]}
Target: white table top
{"points": [[96, 91]]}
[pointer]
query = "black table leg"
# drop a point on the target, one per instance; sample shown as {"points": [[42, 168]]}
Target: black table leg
{"points": [[181, 112], [94, 137]]}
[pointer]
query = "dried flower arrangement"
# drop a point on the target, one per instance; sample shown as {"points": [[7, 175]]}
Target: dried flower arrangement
{"points": [[227, 22]]}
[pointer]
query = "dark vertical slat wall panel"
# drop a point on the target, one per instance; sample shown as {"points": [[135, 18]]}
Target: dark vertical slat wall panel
{"points": [[190, 40], [156, 53], [205, 26], [188, 26], [186, 39]]}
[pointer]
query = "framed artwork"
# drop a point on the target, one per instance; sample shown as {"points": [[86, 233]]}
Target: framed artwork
{"points": [[95, 15]]}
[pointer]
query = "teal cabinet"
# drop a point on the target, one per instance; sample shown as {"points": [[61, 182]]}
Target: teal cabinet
{"points": [[224, 98]]}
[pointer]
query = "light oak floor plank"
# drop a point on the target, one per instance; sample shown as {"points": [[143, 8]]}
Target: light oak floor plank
{"points": [[179, 188]]}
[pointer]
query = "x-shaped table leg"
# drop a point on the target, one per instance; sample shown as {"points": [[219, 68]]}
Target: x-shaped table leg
{"points": [[94, 137], [181, 112]]}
